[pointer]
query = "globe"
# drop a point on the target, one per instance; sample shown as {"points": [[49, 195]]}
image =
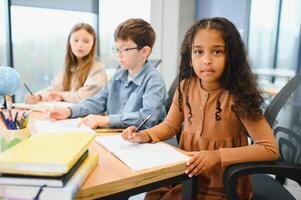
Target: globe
{"points": [[9, 80]]}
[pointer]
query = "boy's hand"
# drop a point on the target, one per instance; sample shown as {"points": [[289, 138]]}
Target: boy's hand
{"points": [[59, 113], [201, 161], [131, 135], [94, 121]]}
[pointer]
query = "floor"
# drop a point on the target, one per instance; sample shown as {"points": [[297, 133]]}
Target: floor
{"points": [[137, 197], [293, 188]]}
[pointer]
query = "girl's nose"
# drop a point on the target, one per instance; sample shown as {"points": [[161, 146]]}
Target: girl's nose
{"points": [[79, 44], [207, 60]]}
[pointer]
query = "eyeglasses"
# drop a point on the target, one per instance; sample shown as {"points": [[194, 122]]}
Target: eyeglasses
{"points": [[123, 49]]}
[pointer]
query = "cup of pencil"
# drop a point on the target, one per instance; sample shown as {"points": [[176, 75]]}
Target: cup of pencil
{"points": [[15, 130], [12, 137]]}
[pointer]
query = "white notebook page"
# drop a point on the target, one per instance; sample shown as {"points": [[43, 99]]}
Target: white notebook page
{"points": [[141, 156], [46, 126]]}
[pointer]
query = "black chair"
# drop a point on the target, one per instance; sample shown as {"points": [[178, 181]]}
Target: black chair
{"points": [[175, 140], [171, 93], [287, 134]]}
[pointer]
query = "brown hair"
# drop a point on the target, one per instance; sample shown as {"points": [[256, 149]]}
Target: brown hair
{"points": [[84, 66], [137, 30]]}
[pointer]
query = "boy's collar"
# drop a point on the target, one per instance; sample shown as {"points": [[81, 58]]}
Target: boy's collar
{"points": [[138, 79]]}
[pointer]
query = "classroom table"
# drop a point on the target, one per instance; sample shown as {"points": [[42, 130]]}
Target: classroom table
{"points": [[112, 179]]}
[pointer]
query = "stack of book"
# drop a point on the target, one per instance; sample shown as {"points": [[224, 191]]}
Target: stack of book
{"points": [[47, 166]]}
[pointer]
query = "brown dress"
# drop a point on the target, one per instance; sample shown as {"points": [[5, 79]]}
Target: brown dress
{"points": [[205, 133]]}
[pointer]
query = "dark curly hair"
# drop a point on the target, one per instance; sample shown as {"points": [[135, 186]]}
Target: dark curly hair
{"points": [[237, 77]]}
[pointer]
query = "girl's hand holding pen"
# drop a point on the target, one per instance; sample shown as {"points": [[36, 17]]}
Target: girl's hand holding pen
{"points": [[131, 135], [32, 99]]}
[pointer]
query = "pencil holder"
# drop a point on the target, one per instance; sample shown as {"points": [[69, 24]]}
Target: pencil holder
{"points": [[10, 138]]}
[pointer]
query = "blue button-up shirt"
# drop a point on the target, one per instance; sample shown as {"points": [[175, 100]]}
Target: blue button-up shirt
{"points": [[128, 102]]}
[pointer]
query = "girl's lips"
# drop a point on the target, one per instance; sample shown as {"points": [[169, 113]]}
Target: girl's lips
{"points": [[207, 70]]}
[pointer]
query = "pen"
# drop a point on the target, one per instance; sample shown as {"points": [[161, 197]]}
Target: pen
{"points": [[52, 107], [140, 126], [16, 117], [27, 88], [25, 120], [3, 118]]}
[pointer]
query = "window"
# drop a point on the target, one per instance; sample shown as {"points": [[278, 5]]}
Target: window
{"points": [[4, 34], [289, 35], [274, 39], [262, 33]]}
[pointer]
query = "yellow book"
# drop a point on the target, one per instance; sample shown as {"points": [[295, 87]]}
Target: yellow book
{"points": [[49, 154]]}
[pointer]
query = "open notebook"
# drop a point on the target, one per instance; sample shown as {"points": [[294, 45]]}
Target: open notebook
{"points": [[141, 156]]}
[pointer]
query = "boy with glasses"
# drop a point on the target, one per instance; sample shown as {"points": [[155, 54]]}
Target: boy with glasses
{"points": [[136, 89]]}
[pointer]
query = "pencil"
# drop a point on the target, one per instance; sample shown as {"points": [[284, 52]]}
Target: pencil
{"points": [[27, 88]]}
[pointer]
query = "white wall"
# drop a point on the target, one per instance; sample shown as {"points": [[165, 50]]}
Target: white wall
{"points": [[170, 19]]}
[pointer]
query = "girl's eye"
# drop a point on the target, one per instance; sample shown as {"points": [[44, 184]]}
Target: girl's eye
{"points": [[218, 52], [197, 52]]}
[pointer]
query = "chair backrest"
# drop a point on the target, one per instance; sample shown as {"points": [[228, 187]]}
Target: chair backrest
{"points": [[287, 132], [279, 100], [287, 128], [168, 102], [289, 144], [171, 93]]}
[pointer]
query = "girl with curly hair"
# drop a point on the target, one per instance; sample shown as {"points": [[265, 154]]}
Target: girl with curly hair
{"points": [[217, 105]]}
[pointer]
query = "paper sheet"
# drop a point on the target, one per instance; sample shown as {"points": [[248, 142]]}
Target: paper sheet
{"points": [[141, 156], [44, 126], [42, 106]]}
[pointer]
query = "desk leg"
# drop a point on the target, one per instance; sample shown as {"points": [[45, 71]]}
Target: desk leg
{"points": [[190, 188]]}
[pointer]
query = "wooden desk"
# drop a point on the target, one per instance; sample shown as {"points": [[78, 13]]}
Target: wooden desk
{"points": [[112, 179]]}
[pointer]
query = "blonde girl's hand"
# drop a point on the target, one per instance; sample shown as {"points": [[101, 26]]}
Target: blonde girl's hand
{"points": [[32, 99], [201, 161], [131, 135], [94, 121]]}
